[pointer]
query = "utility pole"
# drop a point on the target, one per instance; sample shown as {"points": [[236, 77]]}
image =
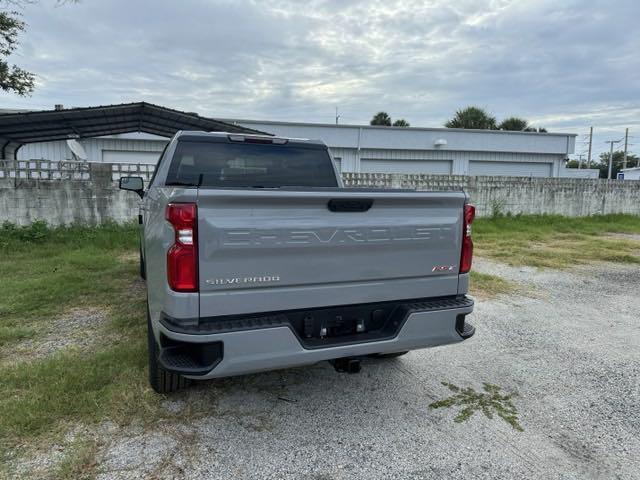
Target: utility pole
{"points": [[590, 143], [337, 116], [626, 143], [611, 142]]}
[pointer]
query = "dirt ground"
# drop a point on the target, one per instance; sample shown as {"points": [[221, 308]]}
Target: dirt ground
{"points": [[567, 346]]}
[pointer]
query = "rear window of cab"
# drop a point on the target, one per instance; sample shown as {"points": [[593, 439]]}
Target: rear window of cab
{"points": [[250, 165]]}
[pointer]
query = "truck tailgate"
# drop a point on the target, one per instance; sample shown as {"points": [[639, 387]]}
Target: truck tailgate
{"points": [[271, 250]]}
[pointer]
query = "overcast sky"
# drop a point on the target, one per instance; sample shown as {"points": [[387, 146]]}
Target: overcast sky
{"points": [[563, 65]]}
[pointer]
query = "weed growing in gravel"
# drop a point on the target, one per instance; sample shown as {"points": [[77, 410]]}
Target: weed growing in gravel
{"points": [[489, 402], [79, 462], [487, 286]]}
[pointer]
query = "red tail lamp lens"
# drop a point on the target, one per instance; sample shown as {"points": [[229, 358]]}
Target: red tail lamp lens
{"points": [[466, 257], [182, 257]]}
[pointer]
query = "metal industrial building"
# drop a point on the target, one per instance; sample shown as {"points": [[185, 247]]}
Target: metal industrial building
{"points": [[630, 173], [370, 149], [445, 151]]}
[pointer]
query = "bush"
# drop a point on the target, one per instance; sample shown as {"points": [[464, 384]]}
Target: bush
{"points": [[497, 209], [37, 232], [109, 234]]}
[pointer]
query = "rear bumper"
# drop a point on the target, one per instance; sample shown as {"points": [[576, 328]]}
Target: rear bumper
{"points": [[260, 349]]}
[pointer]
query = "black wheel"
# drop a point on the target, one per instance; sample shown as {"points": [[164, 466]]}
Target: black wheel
{"points": [[161, 380], [388, 355], [143, 273]]}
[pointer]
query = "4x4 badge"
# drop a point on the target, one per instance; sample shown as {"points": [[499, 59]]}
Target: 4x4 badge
{"points": [[443, 268]]}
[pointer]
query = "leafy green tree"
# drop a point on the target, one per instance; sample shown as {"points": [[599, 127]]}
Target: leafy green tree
{"points": [[12, 78], [401, 122], [618, 159], [573, 163], [515, 124], [472, 117], [381, 118]]}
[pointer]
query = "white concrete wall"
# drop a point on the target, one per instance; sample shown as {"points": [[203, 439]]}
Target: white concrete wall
{"points": [[88, 193]]}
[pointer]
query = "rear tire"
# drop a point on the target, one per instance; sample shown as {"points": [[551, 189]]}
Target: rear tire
{"points": [[143, 273], [388, 355], [161, 380]]}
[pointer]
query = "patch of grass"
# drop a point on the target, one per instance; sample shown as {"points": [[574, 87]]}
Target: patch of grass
{"points": [[486, 286], [109, 235], [43, 272], [79, 463], [14, 333], [489, 402], [110, 383], [557, 242]]}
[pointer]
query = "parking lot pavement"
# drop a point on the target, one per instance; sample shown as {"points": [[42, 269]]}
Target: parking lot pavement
{"points": [[568, 345]]}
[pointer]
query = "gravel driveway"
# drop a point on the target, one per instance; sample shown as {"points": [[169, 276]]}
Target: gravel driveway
{"points": [[568, 345]]}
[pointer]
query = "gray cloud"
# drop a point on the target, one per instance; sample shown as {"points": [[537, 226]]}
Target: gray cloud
{"points": [[565, 65]]}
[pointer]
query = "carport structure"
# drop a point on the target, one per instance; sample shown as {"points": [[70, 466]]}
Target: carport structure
{"points": [[17, 129]]}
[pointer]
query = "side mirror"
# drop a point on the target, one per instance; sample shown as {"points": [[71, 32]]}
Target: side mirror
{"points": [[135, 184]]}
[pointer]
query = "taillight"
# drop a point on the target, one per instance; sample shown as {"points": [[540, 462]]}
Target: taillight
{"points": [[466, 256], [182, 257]]}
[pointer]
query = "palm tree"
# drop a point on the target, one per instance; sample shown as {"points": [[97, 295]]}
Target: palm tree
{"points": [[401, 122], [515, 124], [472, 117], [381, 118]]}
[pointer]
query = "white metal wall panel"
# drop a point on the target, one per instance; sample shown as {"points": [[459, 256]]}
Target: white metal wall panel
{"points": [[436, 167], [337, 162], [57, 151], [446, 160], [348, 158], [129, 156], [511, 169]]}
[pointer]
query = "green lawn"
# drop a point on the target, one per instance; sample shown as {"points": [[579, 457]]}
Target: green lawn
{"points": [[43, 273], [557, 242]]}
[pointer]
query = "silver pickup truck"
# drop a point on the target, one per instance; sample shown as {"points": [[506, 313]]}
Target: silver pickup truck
{"points": [[256, 258]]}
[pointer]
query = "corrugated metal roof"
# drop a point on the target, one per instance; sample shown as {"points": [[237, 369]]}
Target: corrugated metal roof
{"points": [[16, 129]]}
